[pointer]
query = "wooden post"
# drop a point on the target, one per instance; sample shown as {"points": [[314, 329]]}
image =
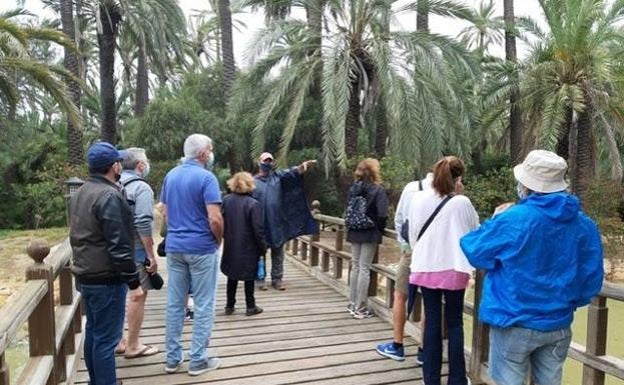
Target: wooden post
{"points": [[480, 332], [340, 238], [41, 323], [4, 372], [596, 339], [389, 292], [295, 247], [66, 291], [337, 267], [372, 287], [325, 261], [314, 250], [304, 251]]}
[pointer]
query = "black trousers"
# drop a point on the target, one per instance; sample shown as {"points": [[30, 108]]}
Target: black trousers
{"points": [[249, 293]]}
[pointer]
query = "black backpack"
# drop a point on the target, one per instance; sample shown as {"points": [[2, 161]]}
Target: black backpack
{"points": [[355, 217]]}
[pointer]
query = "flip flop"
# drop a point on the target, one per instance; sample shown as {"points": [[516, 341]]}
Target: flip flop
{"points": [[148, 350], [119, 352]]}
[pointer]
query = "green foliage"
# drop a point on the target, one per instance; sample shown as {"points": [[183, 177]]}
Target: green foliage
{"points": [[604, 203], [487, 191], [35, 193]]}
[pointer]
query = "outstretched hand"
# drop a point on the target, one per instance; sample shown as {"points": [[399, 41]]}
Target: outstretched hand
{"points": [[303, 167]]}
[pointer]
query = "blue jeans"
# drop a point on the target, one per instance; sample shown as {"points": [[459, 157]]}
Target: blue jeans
{"points": [[514, 350], [453, 312], [200, 272], [104, 306], [362, 255]]}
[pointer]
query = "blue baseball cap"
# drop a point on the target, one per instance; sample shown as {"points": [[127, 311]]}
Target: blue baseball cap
{"points": [[103, 154]]}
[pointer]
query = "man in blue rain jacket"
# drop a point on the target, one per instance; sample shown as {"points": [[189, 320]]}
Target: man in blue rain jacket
{"points": [[286, 211], [543, 260]]}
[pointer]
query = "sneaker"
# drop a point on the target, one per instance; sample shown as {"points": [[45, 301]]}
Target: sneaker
{"points": [[229, 310], [188, 316], [351, 308], [389, 351], [254, 311], [278, 285], [171, 368], [262, 286], [206, 366], [468, 382], [420, 357], [363, 313]]}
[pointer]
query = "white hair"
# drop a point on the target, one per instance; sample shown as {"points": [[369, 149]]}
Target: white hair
{"points": [[135, 155], [195, 144]]}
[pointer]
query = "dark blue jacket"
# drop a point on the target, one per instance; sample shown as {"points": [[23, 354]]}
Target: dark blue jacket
{"points": [[543, 259], [286, 211]]}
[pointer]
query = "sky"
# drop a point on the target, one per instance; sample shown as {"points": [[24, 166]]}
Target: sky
{"points": [[255, 21]]}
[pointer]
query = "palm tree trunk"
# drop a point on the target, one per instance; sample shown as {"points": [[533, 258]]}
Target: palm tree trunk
{"points": [[109, 20], [314, 13], [422, 16], [584, 157], [563, 141], [229, 66], [74, 133], [381, 130], [353, 123], [142, 86], [515, 115]]}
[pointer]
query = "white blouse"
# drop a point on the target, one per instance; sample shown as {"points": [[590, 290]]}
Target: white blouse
{"points": [[438, 249]]}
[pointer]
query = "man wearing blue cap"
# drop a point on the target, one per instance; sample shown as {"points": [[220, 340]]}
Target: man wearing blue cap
{"points": [[102, 235]]}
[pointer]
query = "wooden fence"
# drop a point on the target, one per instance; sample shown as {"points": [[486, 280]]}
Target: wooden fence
{"points": [[54, 329], [330, 263]]}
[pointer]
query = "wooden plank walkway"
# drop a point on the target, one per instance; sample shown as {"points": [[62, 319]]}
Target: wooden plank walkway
{"points": [[304, 335]]}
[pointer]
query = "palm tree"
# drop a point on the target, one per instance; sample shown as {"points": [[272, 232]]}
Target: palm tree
{"points": [[108, 19], [362, 60], [515, 114], [484, 30], [74, 133], [16, 62], [227, 47], [572, 87], [422, 16]]}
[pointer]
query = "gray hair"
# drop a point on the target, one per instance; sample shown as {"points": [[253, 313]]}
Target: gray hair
{"points": [[135, 155], [195, 144]]}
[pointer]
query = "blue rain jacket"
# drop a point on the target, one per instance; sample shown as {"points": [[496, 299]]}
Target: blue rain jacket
{"points": [[543, 259], [286, 211]]}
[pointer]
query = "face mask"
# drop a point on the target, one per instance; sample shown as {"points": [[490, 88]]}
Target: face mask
{"points": [[117, 171], [266, 167], [520, 191], [146, 170], [210, 161]]}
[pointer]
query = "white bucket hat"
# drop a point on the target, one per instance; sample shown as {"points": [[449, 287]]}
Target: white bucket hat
{"points": [[542, 171]]}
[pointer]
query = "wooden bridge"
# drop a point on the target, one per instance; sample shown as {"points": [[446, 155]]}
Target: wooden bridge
{"points": [[305, 334]]}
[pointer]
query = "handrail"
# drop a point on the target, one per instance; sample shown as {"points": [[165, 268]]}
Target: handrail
{"points": [[328, 262], [53, 331]]}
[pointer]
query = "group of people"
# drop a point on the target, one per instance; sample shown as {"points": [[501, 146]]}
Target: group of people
{"points": [[111, 224], [542, 258]]}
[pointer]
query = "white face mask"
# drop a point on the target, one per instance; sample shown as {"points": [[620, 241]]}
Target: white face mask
{"points": [[146, 170]]}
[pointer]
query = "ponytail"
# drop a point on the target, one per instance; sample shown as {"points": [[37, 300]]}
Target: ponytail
{"points": [[445, 174]]}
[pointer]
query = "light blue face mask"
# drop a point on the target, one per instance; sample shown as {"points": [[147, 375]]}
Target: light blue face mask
{"points": [[520, 190], [210, 161]]}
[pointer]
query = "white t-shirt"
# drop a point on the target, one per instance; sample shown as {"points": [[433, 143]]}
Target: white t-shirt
{"points": [[403, 208], [438, 249]]}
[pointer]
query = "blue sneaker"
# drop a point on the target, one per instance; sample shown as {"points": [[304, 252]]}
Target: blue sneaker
{"points": [[389, 351], [420, 357]]}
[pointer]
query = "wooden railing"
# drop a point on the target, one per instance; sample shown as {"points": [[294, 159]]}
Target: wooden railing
{"points": [[330, 263], [54, 330]]}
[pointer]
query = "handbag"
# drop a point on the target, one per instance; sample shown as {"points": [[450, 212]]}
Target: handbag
{"points": [[412, 288]]}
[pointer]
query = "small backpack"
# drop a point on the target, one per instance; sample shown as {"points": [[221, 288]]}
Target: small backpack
{"points": [[355, 217]]}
